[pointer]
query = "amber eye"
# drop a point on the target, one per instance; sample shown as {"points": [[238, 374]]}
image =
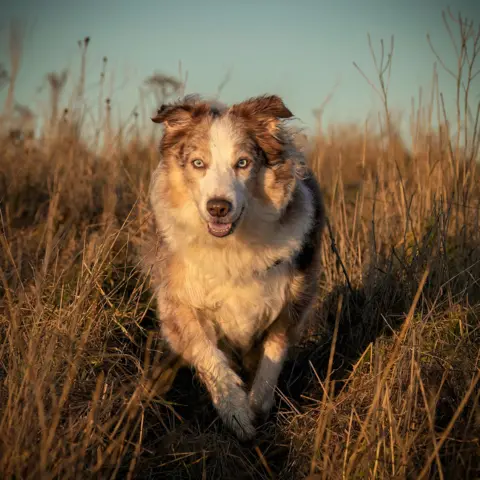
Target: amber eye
{"points": [[242, 163], [197, 163]]}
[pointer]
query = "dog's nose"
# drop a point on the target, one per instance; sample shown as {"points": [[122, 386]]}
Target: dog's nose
{"points": [[218, 207]]}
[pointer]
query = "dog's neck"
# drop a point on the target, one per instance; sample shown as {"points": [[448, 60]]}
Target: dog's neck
{"points": [[255, 245]]}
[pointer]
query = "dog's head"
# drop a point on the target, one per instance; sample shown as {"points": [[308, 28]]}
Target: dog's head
{"points": [[231, 162]]}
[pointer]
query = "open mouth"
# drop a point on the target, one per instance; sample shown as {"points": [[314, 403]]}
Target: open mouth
{"points": [[220, 230]]}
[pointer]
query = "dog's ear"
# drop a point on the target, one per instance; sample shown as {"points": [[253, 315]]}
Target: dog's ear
{"points": [[173, 115], [265, 112], [266, 107]]}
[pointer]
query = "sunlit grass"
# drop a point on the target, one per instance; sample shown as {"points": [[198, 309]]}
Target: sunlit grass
{"points": [[385, 382]]}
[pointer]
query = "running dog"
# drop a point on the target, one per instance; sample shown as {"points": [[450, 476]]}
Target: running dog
{"points": [[235, 252]]}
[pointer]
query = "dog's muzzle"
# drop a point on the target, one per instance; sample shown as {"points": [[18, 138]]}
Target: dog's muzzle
{"points": [[219, 211]]}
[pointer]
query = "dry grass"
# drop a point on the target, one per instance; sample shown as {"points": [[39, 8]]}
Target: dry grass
{"points": [[385, 384]]}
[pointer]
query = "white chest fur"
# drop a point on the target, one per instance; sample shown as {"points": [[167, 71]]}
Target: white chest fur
{"points": [[241, 303]]}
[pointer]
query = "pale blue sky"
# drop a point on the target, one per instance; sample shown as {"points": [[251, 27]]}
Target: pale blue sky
{"points": [[298, 49]]}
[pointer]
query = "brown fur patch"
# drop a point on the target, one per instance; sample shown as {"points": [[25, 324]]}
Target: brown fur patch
{"points": [[262, 117], [186, 125], [266, 106], [176, 193], [275, 184], [181, 113]]}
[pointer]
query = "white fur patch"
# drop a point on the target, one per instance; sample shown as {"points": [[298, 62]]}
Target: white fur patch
{"points": [[222, 143], [230, 280], [220, 180]]}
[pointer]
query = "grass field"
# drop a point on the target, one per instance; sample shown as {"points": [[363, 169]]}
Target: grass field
{"points": [[385, 383]]}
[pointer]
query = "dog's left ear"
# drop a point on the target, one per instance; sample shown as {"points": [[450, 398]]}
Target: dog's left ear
{"points": [[180, 113], [175, 115], [269, 108]]}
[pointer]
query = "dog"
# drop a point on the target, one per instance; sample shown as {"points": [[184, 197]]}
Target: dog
{"points": [[234, 257]]}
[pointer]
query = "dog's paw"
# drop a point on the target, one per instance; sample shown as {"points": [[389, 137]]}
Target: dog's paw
{"points": [[234, 410], [261, 400]]}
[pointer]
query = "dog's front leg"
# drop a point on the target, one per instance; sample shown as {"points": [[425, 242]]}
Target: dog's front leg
{"points": [[283, 332], [275, 349], [187, 337]]}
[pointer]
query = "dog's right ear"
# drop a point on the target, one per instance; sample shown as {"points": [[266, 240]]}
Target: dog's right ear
{"points": [[173, 116]]}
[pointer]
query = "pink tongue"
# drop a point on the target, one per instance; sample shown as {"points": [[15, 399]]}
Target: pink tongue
{"points": [[219, 229]]}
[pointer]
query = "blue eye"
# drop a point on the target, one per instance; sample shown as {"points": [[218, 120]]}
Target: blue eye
{"points": [[242, 163], [197, 163]]}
